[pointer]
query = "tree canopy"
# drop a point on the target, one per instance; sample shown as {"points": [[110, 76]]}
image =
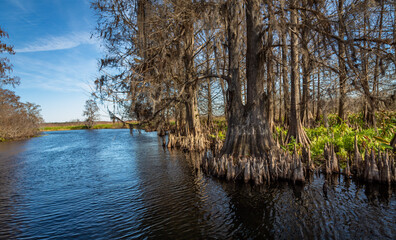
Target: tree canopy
{"points": [[17, 119]]}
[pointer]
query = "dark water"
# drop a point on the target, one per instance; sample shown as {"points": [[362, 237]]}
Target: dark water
{"points": [[107, 184]]}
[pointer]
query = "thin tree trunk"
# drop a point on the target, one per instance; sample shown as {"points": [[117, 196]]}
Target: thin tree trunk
{"points": [[375, 90], [306, 70], [370, 120], [270, 69], [285, 78], [210, 111], [306, 81], [319, 105], [341, 62], [141, 23], [221, 80], [280, 94], [394, 31], [273, 102], [313, 97]]}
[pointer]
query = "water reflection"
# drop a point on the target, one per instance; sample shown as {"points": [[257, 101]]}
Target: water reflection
{"points": [[111, 184], [9, 196]]}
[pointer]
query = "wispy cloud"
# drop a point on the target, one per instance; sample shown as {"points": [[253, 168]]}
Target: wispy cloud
{"points": [[64, 73], [53, 43], [19, 5]]}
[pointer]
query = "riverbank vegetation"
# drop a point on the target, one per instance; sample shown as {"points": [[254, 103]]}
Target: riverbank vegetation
{"points": [[90, 112], [286, 75], [81, 125], [18, 120]]}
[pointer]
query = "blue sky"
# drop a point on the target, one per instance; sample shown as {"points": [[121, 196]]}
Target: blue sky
{"points": [[56, 58]]}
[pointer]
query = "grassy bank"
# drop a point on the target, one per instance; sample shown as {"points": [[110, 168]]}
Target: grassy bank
{"points": [[79, 126], [341, 134]]}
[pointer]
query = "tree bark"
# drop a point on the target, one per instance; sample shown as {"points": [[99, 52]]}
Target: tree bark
{"points": [[318, 101], [210, 109], [296, 130], [375, 90], [141, 24], [306, 69], [221, 80], [192, 115], [370, 117], [341, 61], [306, 81], [394, 31], [313, 97], [192, 138], [270, 69], [248, 131], [285, 79], [281, 96]]}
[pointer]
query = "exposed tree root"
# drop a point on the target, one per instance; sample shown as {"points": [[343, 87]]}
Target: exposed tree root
{"points": [[332, 165], [191, 142], [275, 165], [248, 140], [298, 133], [380, 168], [374, 168]]}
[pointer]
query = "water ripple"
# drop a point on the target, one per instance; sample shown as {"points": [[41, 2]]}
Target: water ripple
{"points": [[107, 184]]}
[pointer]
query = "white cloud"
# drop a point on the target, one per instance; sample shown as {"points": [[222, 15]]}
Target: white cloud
{"points": [[73, 72], [58, 43], [20, 5]]}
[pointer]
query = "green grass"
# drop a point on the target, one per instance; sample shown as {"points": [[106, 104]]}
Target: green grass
{"points": [[61, 128], [219, 128], [108, 126], [343, 135], [82, 126]]}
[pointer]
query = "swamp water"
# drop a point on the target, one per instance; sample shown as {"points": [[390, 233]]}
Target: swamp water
{"points": [[107, 184]]}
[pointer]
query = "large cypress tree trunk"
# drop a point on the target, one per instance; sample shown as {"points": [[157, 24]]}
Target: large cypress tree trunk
{"points": [[191, 89], [249, 151], [248, 131], [180, 112], [295, 128], [192, 116], [193, 138]]}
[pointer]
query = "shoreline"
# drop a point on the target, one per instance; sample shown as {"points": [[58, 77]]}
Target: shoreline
{"points": [[47, 127]]}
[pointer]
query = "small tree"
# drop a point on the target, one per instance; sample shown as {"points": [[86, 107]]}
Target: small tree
{"points": [[5, 66], [90, 112]]}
